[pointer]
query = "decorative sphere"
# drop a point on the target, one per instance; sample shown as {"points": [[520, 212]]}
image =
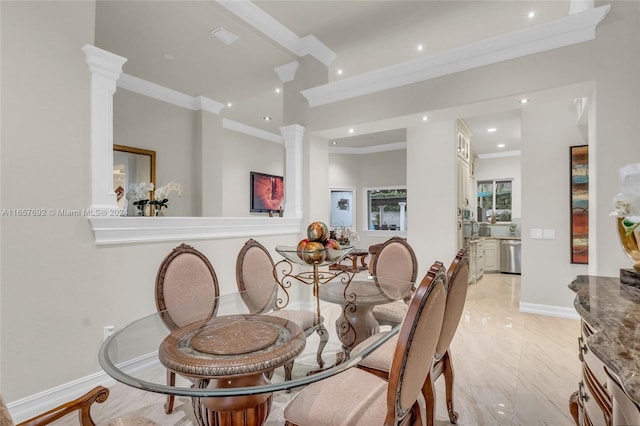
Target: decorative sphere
{"points": [[303, 242], [317, 231], [313, 252], [333, 249]]}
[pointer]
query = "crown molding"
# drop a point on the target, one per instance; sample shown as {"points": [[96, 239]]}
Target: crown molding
{"points": [[164, 94], [268, 25], [368, 149], [500, 154], [287, 72], [562, 32], [251, 131]]}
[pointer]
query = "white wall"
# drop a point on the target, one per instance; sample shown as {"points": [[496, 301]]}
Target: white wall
{"points": [[547, 133], [503, 168]]}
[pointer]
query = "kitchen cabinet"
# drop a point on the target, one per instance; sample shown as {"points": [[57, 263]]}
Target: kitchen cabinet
{"points": [[491, 255], [480, 260]]}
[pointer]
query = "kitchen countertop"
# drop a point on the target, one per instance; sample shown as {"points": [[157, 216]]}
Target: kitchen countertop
{"points": [[613, 310]]}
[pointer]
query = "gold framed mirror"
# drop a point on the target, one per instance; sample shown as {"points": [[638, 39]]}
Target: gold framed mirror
{"points": [[131, 166]]}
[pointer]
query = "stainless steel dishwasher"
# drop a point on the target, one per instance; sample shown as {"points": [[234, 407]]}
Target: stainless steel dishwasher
{"points": [[510, 256]]}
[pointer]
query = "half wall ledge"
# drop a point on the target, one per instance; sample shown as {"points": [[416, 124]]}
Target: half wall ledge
{"points": [[135, 230]]}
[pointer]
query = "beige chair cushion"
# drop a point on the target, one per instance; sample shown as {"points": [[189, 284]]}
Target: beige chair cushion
{"points": [[5, 415], [380, 359], [362, 399], [304, 319], [390, 313], [258, 280], [189, 289]]}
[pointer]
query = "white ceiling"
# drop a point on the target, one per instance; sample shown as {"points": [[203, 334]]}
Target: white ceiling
{"points": [[169, 43]]}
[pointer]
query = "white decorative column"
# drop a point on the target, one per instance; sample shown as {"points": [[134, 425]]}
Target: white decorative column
{"points": [[105, 68], [293, 136], [403, 212]]}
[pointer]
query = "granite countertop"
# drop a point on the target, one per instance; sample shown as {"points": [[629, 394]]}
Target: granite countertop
{"points": [[613, 310]]}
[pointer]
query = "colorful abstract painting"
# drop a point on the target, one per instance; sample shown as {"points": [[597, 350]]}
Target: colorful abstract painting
{"points": [[580, 204]]}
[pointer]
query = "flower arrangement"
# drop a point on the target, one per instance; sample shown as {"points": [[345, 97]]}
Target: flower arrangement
{"points": [[627, 201], [139, 194], [161, 195], [345, 235]]}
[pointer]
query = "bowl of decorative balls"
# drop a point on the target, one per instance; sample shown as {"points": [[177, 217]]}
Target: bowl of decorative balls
{"points": [[317, 248]]}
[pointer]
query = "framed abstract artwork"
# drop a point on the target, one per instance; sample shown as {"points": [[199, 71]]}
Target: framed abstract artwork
{"points": [[267, 192], [579, 157]]}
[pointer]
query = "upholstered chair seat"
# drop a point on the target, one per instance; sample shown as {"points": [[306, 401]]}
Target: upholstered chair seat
{"points": [[355, 397]]}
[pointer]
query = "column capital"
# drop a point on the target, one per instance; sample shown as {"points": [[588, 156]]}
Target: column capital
{"points": [[101, 62], [292, 131]]}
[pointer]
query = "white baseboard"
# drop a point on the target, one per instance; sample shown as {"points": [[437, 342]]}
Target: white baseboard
{"points": [[40, 402], [548, 310]]}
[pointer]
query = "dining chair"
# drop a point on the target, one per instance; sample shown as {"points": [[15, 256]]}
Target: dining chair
{"points": [[394, 264], [81, 404], [258, 283], [354, 397], [379, 361], [186, 291]]}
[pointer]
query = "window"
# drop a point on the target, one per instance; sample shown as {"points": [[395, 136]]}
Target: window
{"points": [[387, 209], [494, 198]]}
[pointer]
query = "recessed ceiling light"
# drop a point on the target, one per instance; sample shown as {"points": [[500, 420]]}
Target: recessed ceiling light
{"points": [[351, 131], [531, 15], [339, 72], [266, 118], [334, 143], [420, 47], [229, 104], [226, 36], [277, 90], [500, 145], [491, 129], [524, 101], [425, 117]]}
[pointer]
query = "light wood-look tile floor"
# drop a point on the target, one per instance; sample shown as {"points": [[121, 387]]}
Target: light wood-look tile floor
{"points": [[510, 368]]}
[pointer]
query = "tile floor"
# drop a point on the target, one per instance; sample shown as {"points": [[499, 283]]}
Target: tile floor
{"points": [[511, 368]]}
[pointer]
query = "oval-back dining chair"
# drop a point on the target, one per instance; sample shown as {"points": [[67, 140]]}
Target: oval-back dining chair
{"points": [[258, 283], [379, 361], [186, 291], [355, 397], [394, 264]]}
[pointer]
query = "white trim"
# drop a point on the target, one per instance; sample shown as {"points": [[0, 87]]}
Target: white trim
{"points": [[236, 126], [268, 25], [40, 402], [500, 154], [548, 310], [562, 32], [287, 72], [396, 146], [132, 230], [164, 94]]}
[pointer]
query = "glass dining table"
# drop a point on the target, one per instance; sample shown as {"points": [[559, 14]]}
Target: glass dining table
{"points": [[229, 362]]}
